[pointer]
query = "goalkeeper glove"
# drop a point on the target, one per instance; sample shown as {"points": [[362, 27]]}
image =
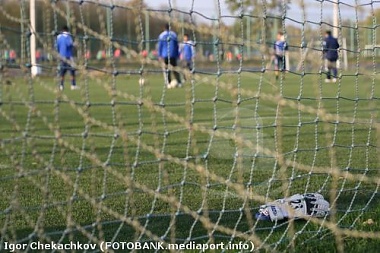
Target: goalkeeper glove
{"points": [[296, 206]]}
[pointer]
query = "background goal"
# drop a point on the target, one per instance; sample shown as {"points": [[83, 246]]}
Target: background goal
{"points": [[116, 161]]}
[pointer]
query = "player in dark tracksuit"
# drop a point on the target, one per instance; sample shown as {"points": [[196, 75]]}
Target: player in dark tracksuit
{"points": [[330, 51]]}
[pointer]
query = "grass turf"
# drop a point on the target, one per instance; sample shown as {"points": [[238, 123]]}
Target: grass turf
{"points": [[54, 149]]}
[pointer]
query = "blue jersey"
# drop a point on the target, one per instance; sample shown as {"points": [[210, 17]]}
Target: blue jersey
{"points": [[330, 48], [280, 47], [188, 51], [168, 45], [65, 45]]}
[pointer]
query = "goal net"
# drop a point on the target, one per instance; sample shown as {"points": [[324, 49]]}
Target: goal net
{"points": [[127, 163]]}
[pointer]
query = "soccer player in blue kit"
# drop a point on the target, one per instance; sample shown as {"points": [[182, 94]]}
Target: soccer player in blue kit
{"points": [[65, 48], [187, 51], [168, 52], [280, 47]]}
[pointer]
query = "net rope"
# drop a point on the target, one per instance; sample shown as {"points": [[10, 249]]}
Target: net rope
{"points": [[118, 161]]}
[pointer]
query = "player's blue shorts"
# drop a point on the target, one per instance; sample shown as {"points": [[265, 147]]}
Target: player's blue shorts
{"points": [[279, 62], [64, 67]]}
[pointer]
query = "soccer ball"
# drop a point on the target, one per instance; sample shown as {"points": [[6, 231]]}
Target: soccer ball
{"points": [[172, 84], [141, 81]]}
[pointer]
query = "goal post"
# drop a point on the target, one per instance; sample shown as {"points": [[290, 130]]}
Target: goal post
{"points": [[32, 16]]}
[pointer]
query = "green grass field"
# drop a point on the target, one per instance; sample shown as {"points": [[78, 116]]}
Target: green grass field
{"points": [[73, 164]]}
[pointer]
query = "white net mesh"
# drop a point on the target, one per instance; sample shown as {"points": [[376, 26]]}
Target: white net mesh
{"points": [[125, 162]]}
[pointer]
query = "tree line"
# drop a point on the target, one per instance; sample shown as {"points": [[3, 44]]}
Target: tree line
{"points": [[127, 23]]}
